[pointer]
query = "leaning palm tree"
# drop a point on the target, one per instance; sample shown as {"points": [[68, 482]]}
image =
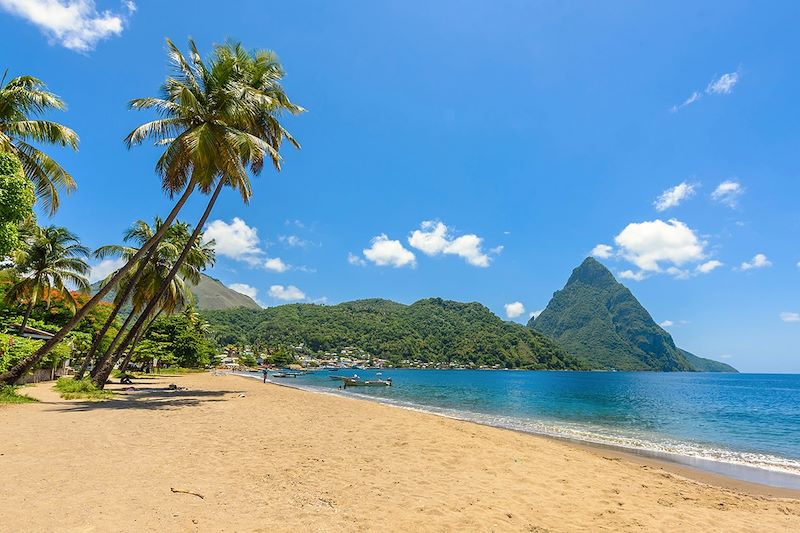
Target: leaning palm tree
{"points": [[218, 120], [133, 283], [154, 273], [54, 260], [21, 100]]}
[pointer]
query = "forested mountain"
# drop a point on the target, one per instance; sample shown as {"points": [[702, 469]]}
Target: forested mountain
{"points": [[599, 320], [210, 293], [431, 330]]}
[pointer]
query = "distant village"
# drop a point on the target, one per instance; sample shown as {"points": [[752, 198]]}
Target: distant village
{"points": [[347, 357]]}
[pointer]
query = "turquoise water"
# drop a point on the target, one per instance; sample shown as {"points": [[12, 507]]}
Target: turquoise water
{"points": [[743, 425]]}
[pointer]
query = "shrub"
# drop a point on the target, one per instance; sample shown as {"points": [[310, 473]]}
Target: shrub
{"points": [[72, 389], [8, 394]]}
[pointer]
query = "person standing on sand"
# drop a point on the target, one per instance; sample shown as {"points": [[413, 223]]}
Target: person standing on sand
{"points": [[264, 372]]}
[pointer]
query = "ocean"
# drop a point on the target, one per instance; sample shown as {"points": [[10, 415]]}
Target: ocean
{"points": [[746, 426]]}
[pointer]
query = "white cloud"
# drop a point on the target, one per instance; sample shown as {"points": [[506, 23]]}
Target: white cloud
{"points": [[630, 274], [386, 252], [787, 316], [434, 238], [74, 24], [353, 259], [649, 244], [758, 261], [603, 251], [674, 196], [293, 241], [666, 323], [276, 264], [728, 193], [724, 84], [236, 240], [288, 293], [708, 266], [535, 314], [695, 96], [243, 288], [105, 267], [514, 309], [497, 250]]}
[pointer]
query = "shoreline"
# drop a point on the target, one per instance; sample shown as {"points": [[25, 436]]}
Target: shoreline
{"points": [[276, 458], [734, 476]]}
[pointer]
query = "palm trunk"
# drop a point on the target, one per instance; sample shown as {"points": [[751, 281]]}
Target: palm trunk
{"points": [[124, 366], [31, 303], [103, 359], [101, 378], [123, 297], [21, 368]]}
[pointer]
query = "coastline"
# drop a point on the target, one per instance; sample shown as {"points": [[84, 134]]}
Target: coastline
{"points": [[705, 471], [279, 458]]}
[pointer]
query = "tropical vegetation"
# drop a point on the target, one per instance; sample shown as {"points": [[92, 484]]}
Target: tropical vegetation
{"points": [[431, 330], [219, 121]]}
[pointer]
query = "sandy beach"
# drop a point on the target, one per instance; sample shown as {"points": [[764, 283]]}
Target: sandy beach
{"points": [[232, 454]]}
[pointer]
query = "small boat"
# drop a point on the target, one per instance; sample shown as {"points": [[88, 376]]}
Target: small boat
{"points": [[284, 375], [356, 382]]}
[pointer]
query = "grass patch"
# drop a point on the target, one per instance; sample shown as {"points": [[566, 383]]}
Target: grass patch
{"points": [[83, 389], [8, 394], [175, 370]]}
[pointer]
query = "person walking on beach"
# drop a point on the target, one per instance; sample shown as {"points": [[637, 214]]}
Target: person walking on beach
{"points": [[264, 372]]}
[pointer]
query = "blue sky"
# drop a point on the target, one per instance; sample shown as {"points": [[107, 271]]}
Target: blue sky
{"points": [[512, 137]]}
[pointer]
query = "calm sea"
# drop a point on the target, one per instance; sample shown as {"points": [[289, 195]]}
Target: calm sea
{"points": [[743, 425]]}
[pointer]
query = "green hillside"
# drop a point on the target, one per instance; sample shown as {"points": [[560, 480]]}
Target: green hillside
{"points": [[599, 320], [432, 330]]}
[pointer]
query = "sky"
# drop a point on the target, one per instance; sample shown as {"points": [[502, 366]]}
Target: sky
{"points": [[474, 151]]}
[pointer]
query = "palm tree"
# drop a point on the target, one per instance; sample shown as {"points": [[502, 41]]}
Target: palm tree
{"points": [[218, 120], [215, 122], [21, 99], [54, 260], [154, 274], [144, 277]]}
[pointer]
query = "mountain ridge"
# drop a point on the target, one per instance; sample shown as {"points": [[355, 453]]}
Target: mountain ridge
{"points": [[431, 330], [600, 321]]}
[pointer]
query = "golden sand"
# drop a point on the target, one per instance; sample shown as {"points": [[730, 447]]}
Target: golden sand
{"points": [[232, 454]]}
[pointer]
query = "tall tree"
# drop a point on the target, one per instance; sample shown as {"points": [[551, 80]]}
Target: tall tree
{"points": [[54, 260], [177, 295], [218, 120], [16, 202], [139, 284], [23, 99]]}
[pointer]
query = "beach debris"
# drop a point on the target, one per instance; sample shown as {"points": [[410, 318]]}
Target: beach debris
{"points": [[242, 395], [182, 491]]}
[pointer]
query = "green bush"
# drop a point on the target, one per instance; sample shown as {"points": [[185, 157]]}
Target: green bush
{"points": [[72, 389], [16, 201], [8, 394], [14, 348]]}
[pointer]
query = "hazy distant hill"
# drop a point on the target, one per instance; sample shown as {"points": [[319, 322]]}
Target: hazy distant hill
{"points": [[431, 330], [701, 364], [599, 320], [210, 293]]}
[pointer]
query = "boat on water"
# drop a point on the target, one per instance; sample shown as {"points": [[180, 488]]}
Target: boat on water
{"points": [[355, 381], [285, 375]]}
